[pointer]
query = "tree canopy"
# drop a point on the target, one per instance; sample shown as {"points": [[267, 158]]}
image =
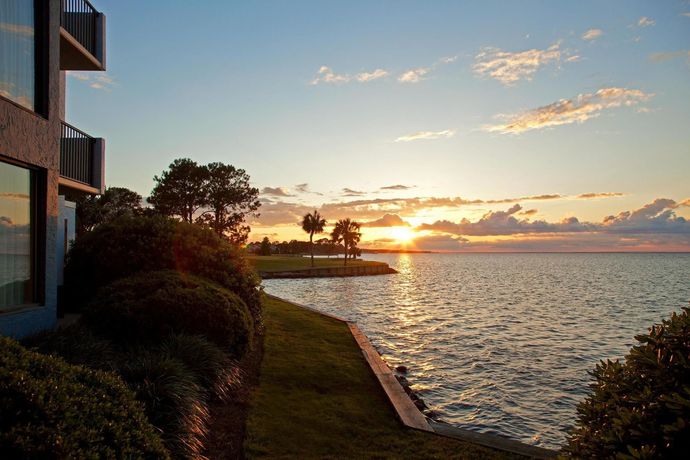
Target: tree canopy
{"points": [[348, 232], [217, 196], [114, 202]]}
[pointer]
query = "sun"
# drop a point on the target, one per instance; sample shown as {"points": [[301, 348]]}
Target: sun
{"points": [[402, 234]]}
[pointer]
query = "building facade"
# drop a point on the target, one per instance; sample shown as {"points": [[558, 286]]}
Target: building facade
{"points": [[44, 161]]}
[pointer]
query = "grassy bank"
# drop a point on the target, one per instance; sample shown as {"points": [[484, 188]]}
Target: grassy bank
{"points": [[287, 263], [317, 398]]}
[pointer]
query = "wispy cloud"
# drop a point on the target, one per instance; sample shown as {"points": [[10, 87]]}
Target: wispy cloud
{"points": [[413, 75], [644, 21], [687, 15], [420, 135], [667, 55], [327, 75], [592, 34], [397, 187], [95, 81], [17, 29], [567, 111], [589, 196], [350, 192], [511, 67], [276, 191]]}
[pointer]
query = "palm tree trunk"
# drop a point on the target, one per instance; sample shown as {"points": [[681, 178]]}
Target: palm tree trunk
{"points": [[311, 248], [345, 259]]}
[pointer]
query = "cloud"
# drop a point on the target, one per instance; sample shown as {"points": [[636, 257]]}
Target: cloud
{"points": [[657, 217], [687, 15], [397, 187], [369, 209], [99, 81], [665, 56], [511, 67], [446, 133], [644, 21], [275, 191], [592, 34], [351, 192], [567, 111], [413, 75], [439, 243], [588, 196], [387, 220], [528, 212], [448, 59], [17, 29], [302, 188], [369, 76], [326, 75]]}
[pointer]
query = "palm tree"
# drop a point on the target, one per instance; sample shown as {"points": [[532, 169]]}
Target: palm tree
{"points": [[347, 232], [313, 223]]}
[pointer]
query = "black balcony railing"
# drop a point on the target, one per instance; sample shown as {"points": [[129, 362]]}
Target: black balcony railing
{"points": [[76, 154], [78, 17]]}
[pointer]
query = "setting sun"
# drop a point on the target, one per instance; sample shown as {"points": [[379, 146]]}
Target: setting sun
{"points": [[402, 234]]}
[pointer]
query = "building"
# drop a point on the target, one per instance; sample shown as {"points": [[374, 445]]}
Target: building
{"points": [[44, 161]]}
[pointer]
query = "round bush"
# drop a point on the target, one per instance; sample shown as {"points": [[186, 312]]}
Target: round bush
{"points": [[51, 409], [640, 408], [149, 307], [132, 244]]}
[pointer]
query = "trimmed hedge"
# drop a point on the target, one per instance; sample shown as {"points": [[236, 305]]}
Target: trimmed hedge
{"points": [[51, 409], [640, 408], [128, 245], [148, 307]]}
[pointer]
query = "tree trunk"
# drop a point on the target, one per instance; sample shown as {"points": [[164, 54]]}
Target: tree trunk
{"points": [[345, 258], [311, 248]]}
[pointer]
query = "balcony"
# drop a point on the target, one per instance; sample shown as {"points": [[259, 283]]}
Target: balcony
{"points": [[82, 161], [82, 36]]}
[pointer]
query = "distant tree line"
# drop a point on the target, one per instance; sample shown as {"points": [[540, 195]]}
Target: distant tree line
{"points": [[216, 196]]}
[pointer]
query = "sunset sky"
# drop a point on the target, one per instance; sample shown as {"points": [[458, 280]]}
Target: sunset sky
{"points": [[448, 126]]}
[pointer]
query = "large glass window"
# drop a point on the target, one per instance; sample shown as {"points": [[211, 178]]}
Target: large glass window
{"points": [[17, 52], [17, 282]]}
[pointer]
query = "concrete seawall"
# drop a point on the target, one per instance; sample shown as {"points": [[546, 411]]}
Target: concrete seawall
{"points": [[326, 272]]}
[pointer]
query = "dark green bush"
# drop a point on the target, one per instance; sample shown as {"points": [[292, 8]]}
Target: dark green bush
{"points": [[214, 370], [76, 344], [640, 408], [174, 402], [149, 307], [129, 245], [51, 409]]}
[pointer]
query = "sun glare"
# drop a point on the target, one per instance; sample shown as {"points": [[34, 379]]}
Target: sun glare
{"points": [[402, 234]]}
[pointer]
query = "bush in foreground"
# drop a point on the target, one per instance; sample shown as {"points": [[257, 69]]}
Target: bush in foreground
{"points": [[640, 408], [149, 307], [50, 409], [174, 402], [214, 370], [128, 245]]}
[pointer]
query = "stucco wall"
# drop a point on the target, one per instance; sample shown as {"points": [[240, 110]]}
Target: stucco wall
{"points": [[35, 140]]}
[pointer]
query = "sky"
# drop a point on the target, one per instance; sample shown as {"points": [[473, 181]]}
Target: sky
{"points": [[445, 126]]}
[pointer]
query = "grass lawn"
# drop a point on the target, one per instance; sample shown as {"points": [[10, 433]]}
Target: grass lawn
{"points": [[285, 263], [317, 398]]}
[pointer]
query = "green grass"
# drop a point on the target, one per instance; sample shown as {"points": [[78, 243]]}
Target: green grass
{"points": [[287, 263], [318, 399]]}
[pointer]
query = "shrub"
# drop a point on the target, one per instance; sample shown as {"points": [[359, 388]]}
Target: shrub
{"points": [[214, 370], [640, 408], [50, 409], [129, 245], [173, 400], [76, 344], [149, 307]]}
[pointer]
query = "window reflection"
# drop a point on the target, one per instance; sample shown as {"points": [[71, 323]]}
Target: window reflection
{"points": [[16, 253], [17, 52]]}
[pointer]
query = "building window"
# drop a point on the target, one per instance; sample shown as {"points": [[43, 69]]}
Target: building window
{"points": [[17, 267], [18, 52]]}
